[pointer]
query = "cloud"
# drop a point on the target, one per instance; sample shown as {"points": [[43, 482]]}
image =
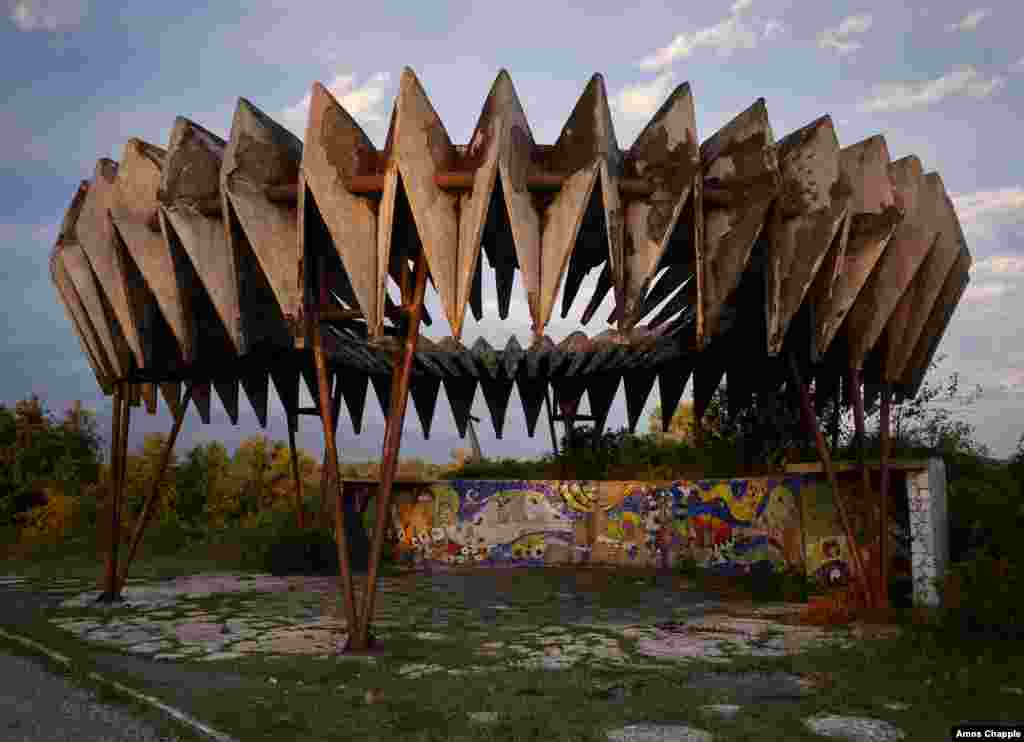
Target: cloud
{"points": [[362, 101], [838, 38], [986, 293], [47, 15], [1011, 266], [904, 96], [980, 211], [725, 37], [970, 21], [643, 99]]}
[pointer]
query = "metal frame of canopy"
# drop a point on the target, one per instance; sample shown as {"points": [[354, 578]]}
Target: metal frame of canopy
{"points": [[216, 264]]}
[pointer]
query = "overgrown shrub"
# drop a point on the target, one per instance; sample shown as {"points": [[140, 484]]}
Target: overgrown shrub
{"points": [[310, 551]]}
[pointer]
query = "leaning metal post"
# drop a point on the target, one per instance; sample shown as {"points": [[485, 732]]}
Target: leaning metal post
{"points": [[111, 593], [883, 547], [300, 513], [331, 454], [393, 442], [149, 505], [854, 380], [826, 460]]}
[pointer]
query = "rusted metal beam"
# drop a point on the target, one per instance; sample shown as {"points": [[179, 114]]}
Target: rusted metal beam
{"points": [[854, 381], [807, 410], [392, 446], [118, 461], [331, 456], [300, 510], [149, 505]]}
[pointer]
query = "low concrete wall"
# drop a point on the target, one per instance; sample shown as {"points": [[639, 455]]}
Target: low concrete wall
{"points": [[730, 526]]}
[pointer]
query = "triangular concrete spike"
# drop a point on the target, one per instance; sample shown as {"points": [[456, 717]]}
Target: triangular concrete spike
{"points": [[286, 382], [201, 400], [938, 321], [420, 149], [895, 269], [672, 279], [382, 388], [638, 384], [512, 356], [135, 212], [667, 153], [93, 302], [561, 229], [601, 289], [75, 313], [918, 301], [336, 150], [256, 385], [672, 307], [424, 390], [312, 382], [354, 390], [739, 160], [601, 391], [190, 202], [707, 377], [96, 235], [476, 295], [262, 154], [531, 394], [149, 397], [497, 391], [499, 246], [872, 220], [228, 393], [671, 385], [568, 393], [460, 391], [171, 392], [812, 204]]}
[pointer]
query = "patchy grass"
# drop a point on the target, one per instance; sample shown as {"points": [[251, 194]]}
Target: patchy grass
{"points": [[945, 678]]}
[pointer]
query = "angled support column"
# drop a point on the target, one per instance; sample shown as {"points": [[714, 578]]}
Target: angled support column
{"points": [[826, 459], [118, 454], [883, 535], [300, 512], [551, 419], [854, 381], [331, 457], [392, 444], [148, 506]]}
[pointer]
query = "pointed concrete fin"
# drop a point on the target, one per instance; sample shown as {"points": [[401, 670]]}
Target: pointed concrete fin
{"points": [[135, 212], [228, 393], [419, 150], [260, 155], [707, 377], [897, 266], [666, 153], [740, 161], [171, 392], [671, 385], [638, 384], [601, 391], [497, 391], [96, 235], [382, 389], [938, 321], [476, 295], [531, 394], [568, 393], [561, 230], [190, 185], [84, 280], [286, 382], [354, 390], [512, 356], [499, 246], [201, 400], [929, 280], [672, 279], [873, 219], [256, 385], [336, 150], [601, 289], [812, 203], [312, 382], [69, 225], [460, 391], [79, 319], [672, 307], [424, 390]]}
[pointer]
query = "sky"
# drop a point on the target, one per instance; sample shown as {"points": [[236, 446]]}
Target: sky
{"points": [[942, 81]]}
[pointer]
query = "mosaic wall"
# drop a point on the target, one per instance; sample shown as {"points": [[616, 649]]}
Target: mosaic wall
{"points": [[729, 526]]}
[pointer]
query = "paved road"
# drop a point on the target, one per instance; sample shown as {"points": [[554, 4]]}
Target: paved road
{"points": [[39, 705]]}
